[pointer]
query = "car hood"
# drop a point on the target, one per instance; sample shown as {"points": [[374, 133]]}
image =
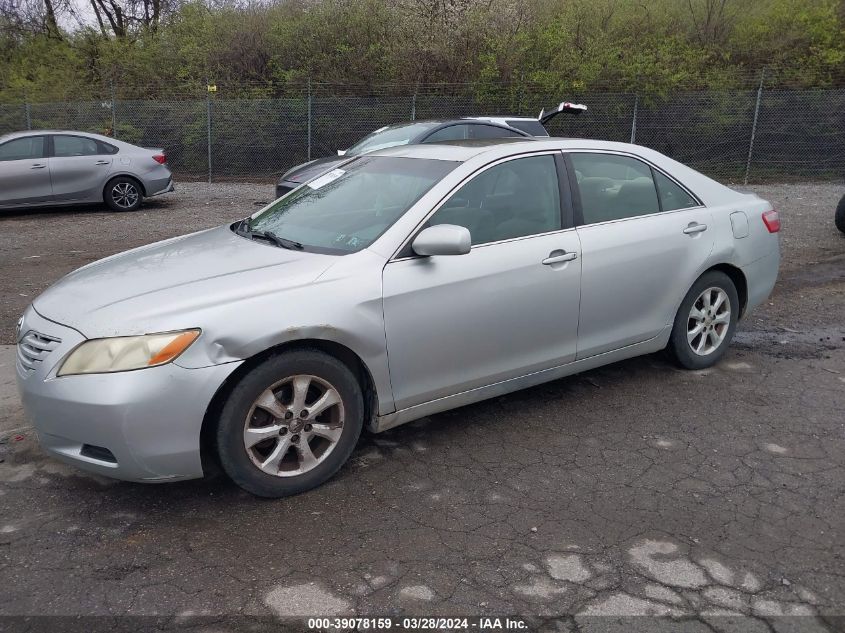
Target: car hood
{"points": [[167, 285], [307, 171]]}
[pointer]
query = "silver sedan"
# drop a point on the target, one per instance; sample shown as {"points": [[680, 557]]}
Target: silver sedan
{"points": [[400, 284], [57, 168]]}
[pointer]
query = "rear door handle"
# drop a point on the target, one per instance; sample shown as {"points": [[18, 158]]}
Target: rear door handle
{"points": [[102, 162], [695, 228], [559, 259], [38, 166]]}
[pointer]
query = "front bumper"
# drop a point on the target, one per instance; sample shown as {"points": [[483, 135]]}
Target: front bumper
{"points": [[149, 420]]}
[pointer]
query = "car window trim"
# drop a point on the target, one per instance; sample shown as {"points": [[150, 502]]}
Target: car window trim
{"points": [[397, 254], [576, 191], [431, 133]]}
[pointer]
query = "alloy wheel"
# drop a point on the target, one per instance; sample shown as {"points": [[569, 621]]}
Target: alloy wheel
{"points": [[124, 194], [709, 321], [293, 425]]}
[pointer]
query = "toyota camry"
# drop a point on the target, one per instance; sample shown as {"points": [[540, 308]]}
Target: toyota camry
{"points": [[402, 283]]}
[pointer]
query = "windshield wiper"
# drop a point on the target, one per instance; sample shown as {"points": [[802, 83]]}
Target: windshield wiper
{"points": [[278, 240], [244, 228]]}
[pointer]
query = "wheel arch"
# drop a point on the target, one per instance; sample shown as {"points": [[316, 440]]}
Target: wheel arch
{"points": [[740, 282], [208, 449], [125, 175]]}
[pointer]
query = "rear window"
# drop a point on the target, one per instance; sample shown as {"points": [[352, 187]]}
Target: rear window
{"points": [[534, 128]]}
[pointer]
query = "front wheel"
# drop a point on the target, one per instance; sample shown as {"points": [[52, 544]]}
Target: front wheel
{"points": [[290, 423], [123, 194], [706, 320], [840, 215]]}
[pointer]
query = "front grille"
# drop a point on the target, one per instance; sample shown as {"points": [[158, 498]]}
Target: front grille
{"points": [[34, 347]]}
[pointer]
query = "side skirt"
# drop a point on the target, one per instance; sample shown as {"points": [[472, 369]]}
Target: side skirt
{"points": [[397, 418]]}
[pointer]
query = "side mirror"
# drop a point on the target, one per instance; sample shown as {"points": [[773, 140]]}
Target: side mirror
{"points": [[341, 152], [442, 239]]}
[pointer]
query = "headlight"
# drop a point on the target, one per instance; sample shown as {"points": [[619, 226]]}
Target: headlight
{"points": [[123, 353]]}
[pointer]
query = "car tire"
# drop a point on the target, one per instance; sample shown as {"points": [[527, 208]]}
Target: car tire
{"points": [[265, 441], [840, 215], [123, 194], [705, 322]]}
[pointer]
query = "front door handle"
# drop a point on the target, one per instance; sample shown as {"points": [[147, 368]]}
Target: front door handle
{"points": [[559, 259], [694, 228], [38, 166]]}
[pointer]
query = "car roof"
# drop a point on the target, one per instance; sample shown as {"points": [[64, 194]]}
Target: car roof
{"points": [[495, 118], [25, 133], [462, 151], [490, 150], [487, 120]]}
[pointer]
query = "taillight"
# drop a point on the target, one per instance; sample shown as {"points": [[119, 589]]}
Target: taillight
{"points": [[772, 221], [160, 159]]}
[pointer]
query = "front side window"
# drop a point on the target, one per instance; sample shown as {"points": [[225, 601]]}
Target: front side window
{"points": [[68, 146], [614, 187], [348, 208], [26, 148], [513, 199], [672, 196]]}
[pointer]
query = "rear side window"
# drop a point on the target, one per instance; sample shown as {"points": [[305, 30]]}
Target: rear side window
{"points": [[105, 148], [67, 146], [23, 148], [614, 187], [672, 196], [491, 131], [534, 128], [451, 133], [513, 199]]}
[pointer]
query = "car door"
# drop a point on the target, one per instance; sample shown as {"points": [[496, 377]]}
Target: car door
{"points": [[644, 239], [24, 176], [507, 308], [79, 168]]}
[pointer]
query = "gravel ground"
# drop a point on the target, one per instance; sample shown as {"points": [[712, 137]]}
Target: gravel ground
{"points": [[715, 497]]}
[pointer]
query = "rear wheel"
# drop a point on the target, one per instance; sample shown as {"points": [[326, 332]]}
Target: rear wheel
{"points": [[840, 215], [123, 194], [706, 320], [290, 423]]}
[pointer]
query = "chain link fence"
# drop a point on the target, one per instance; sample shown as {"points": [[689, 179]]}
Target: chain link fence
{"points": [[737, 136]]}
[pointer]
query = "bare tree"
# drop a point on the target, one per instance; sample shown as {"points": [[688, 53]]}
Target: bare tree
{"points": [[124, 17], [32, 16], [711, 20]]}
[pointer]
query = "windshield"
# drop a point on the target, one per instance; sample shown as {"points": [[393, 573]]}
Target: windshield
{"points": [[390, 136], [348, 208]]}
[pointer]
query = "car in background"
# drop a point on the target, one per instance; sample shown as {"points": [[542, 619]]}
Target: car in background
{"points": [[50, 168], [429, 131], [840, 215], [405, 282]]}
